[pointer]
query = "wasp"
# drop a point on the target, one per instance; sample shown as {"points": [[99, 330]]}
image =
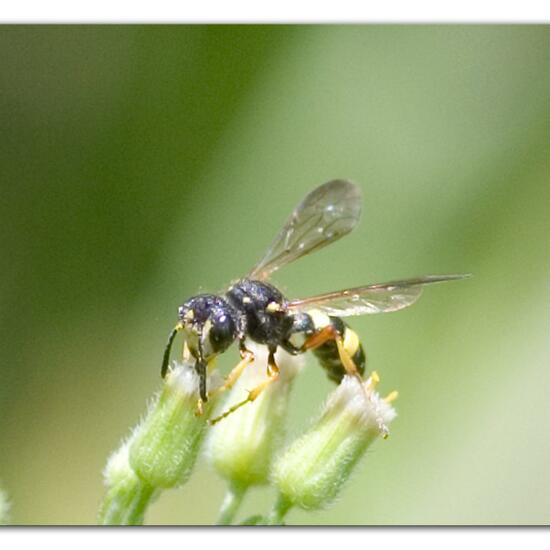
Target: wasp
{"points": [[253, 308]]}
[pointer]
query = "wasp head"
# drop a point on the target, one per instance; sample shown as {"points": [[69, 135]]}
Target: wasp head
{"points": [[210, 325]]}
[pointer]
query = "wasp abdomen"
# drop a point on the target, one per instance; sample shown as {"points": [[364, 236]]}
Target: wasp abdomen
{"points": [[327, 353]]}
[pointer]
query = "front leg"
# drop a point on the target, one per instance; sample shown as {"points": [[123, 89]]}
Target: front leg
{"points": [[272, 374], [272, 368], [200, 368], [247, 358], [252, 396]]}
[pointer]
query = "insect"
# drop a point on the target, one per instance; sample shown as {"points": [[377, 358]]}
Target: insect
{"points": [[253, 308]]}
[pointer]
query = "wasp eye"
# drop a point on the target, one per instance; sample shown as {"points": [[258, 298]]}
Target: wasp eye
{"points": [[222, 333]]}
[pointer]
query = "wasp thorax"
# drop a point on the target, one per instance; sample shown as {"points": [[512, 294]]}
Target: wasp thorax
{"points": [[210, 325]]}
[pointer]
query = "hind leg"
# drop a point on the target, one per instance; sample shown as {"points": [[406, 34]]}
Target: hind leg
{"points": [[327, 334]]}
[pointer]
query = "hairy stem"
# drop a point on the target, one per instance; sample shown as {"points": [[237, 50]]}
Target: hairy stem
{"points": [[231, 503], [125, 503], [280, 510]]}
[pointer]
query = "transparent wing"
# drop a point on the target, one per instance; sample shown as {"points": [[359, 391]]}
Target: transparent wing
{"points": [[377, 298], [328, 213]]}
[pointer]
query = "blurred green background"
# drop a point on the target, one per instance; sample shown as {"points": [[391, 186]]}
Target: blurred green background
{"points": [[140, 165]]}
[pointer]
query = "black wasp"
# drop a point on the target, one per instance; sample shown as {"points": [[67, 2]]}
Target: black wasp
{"points": [[253, 308]]}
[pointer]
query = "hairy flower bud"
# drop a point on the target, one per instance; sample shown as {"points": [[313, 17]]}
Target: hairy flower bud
{"points": [[159, 454], [313, 469], [165, 445], [127, 495], [242, 445]]}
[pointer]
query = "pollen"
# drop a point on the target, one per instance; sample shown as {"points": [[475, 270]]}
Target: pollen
{"points": [[392, 396], [373, 380]]}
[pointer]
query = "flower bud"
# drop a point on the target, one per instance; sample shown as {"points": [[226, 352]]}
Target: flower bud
{"points": [[313, 469], [165, 445], [118, 468], [242, 445], [127, 495]]}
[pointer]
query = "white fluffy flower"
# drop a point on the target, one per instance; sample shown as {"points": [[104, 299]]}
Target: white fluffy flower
{"points": [[314, 468], [362, 404], [242, 445]]}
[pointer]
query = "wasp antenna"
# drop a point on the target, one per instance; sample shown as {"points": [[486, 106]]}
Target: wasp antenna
{"points": [[166, 357]]}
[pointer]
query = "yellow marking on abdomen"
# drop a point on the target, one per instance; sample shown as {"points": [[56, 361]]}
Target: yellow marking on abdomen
{"points": [[319, 318], [351, 341]]}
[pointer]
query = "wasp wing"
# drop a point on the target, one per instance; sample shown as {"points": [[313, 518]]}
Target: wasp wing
{"points": [[377, 298], [325, 215]]}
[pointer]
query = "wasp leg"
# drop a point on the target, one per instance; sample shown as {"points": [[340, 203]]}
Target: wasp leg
{"points": [[329, 333], [199, 410], [319, 338], [273, 375], [272, 368], [201, 369], [247, 357], [185, 353], [346, 359], [252, 396], [325, 335]]}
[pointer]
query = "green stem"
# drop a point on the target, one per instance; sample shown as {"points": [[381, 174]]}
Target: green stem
{"points": [[4, 508], [126, 502], [231, 503], [280, 510]]}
